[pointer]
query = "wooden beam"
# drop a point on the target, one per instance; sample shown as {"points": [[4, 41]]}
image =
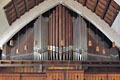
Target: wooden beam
{"points": [[91, 4], [26, 5], [16, 9], [106, 8], [8, 8], [95, 6], [10, 63]]}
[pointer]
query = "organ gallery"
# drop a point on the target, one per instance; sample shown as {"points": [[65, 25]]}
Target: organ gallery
{"points": [[59, 40]]}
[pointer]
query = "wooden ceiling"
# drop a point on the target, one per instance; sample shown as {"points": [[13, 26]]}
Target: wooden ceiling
{"points": [[16, 8], [105, 9]]}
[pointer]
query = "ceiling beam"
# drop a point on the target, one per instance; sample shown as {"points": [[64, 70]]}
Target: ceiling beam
{"points": [[26, 5], [95, 5], [16, 9], [106, 8]]}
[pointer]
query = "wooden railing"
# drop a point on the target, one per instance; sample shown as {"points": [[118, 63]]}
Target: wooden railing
{"points": [[90, 63], [65, 75], [60, 75], [23, 77]]}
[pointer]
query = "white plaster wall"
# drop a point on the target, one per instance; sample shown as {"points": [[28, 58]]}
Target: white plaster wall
{"points": [[3, 20], [117, 1], [116, 24]]}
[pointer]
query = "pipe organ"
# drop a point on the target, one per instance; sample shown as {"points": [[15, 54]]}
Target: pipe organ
{"points": [[59, 44], [59, 34], [60, 37]]}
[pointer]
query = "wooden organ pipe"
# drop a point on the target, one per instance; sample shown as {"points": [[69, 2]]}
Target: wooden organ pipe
{"points": [[60, 30], [54, 35], [67, 53], [62, 42], [70, 36], [50, 35], [57, 33], [60, 34], [64, 30], [49, 39]]}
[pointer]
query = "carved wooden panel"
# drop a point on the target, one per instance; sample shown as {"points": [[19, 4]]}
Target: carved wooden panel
{"points": [[55, 75], [95, 76], [9, 76], [113, 76], [34, 77], [65, 75]]}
